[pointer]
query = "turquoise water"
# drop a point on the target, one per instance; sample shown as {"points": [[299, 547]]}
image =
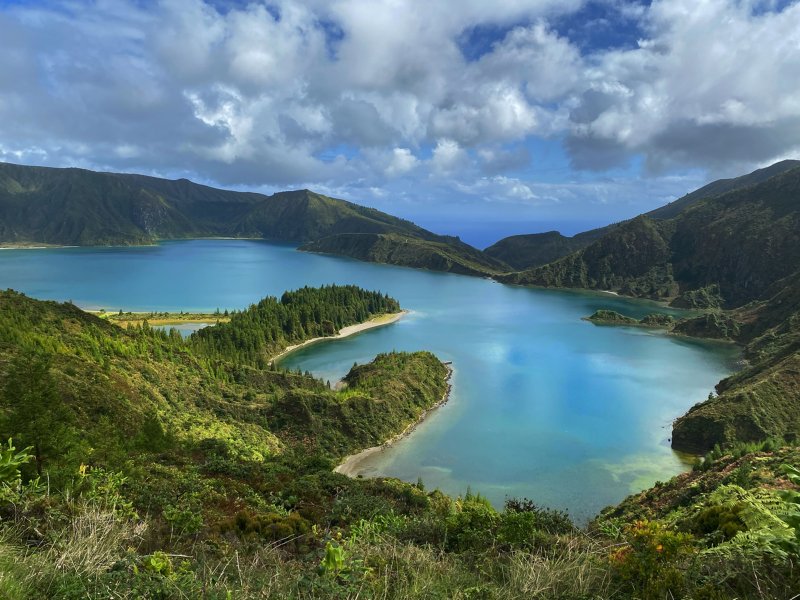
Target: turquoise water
{"points": [[185, 329], [544, 405]]}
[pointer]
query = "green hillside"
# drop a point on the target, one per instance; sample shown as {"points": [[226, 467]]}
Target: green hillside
{"points": [[398, 249], [79, 207], [148, 466], [146, 380], [722, 186], [534, 250], [741, 242], [761, 400]]}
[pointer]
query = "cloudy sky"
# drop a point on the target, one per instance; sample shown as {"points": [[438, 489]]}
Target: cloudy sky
{"points": [[472, 117]]}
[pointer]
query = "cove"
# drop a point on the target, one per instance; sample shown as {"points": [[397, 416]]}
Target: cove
{"points": [[544, 405]]}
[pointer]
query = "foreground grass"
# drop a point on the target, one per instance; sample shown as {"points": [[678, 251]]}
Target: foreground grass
{"points": [[88, 542]]}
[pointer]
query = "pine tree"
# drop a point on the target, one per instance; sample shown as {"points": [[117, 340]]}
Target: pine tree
{"points": [[35, 415]]}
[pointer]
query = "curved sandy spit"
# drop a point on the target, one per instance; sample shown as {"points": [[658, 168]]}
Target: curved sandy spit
{"points": [[351, 464], [344, 332]]}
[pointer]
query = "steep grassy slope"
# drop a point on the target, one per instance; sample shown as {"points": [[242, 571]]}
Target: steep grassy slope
{"points": [[759, 403], [722, 186], [744, 481], [453, 255], [633, 259], [762, 400]]}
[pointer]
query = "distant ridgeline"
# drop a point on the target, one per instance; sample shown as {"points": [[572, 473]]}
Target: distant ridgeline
{"points": [[79, 207], [730, 249]]}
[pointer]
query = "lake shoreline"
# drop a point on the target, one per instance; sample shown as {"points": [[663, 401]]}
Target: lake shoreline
{"points": [[492, 332], [31, 246], [351, 464], [344, 332]]}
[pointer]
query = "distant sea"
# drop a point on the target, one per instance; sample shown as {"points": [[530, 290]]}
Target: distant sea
{"points": [[482, 234]]}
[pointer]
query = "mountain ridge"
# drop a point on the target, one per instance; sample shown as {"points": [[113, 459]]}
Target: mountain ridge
{"points": [[743, 240], [81, 207], [526, 251]]}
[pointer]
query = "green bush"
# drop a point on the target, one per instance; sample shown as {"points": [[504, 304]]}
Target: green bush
{"points": [[547, 519], [291, 531], [472, 525], [725, 521], [650, 562], [10, 463]]}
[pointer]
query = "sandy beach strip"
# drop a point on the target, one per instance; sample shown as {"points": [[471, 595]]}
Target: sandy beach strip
{"points": [[351, 464], [344, 332], [8, 246]]}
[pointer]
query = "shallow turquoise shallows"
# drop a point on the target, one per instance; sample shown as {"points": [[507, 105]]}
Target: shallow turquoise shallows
{"points": [[544, 405]]}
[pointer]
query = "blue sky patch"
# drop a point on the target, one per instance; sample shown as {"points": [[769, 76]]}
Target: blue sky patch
{"points": [[600, 26]]}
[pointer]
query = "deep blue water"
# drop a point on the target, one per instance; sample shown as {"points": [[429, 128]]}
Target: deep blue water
{"points": [[544, 405]]}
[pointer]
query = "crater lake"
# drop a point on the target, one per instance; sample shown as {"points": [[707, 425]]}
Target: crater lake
{"points": [[544, 405]]}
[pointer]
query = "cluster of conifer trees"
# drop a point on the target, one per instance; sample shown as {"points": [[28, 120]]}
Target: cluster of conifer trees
{"points": [[255, 334]]}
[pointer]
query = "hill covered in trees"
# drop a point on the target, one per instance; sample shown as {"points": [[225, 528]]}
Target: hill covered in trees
{"points": [[535, 249], [741, 242], [172, 468]]}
